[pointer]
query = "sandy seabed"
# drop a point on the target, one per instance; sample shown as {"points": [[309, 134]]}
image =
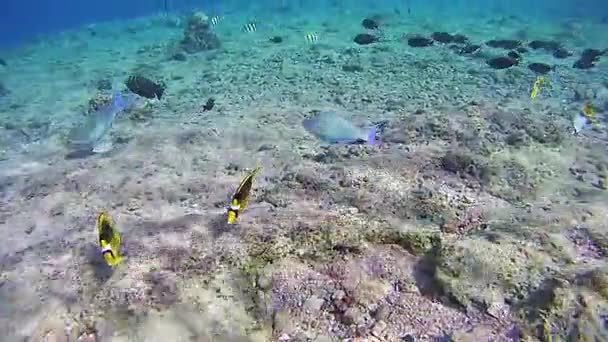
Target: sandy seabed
{"points": [[478, 217]]}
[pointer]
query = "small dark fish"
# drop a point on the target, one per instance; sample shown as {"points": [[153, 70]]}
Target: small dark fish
{"points": [[209, 104], [547, 45], [442, 37], [540, 68], [419, 41], [514, 55], [470, 48], [507, 44], [460, 38], [276, 39], [3, 62], [145, 87], [503, 62], [365, 38], [561, 53], [369, 24]]}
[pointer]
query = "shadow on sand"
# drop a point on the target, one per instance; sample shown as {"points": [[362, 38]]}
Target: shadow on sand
{"points": [[101, 270]]}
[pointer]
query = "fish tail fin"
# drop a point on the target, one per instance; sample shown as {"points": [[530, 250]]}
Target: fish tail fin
{"points": [[371, 135]]}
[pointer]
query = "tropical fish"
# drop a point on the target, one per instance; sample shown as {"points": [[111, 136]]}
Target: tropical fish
{"points": [[536, 86], [333, 128], [215, 20], [311, 38], [240, 197], [90, 136], [145, 87], [108, 239], [583, 118], [588, 111], [249, 27]]}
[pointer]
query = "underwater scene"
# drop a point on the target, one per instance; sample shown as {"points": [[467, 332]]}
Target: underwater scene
{"points": [[289, 170]]}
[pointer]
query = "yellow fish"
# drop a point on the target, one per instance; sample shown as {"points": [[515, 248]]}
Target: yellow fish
{"points": [[588, 110], [536, 86], [241, 196], [109, 239]]}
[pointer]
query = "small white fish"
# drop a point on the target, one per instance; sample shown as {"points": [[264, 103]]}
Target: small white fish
{"points": [[249, 27], [311, 38], [580, 122]]}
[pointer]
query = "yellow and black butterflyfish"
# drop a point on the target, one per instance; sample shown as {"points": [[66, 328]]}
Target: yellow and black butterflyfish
{"points": [[536, 86], [109, 239], [241, 196]]}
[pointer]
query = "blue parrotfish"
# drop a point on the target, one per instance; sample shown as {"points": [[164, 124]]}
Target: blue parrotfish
{"points": [[331, 127], [90, 136]]}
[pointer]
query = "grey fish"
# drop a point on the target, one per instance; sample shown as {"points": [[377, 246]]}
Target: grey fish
{"points": [[579, 123], [88, 137], [331, 127]]}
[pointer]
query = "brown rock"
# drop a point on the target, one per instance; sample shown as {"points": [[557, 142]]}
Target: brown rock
{"points": [[352, 316], [382, 313], [378, 329]]}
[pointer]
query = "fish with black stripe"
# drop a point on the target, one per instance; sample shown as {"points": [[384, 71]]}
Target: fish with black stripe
{"points": [[311, 38], [215, 20], [241, 197], [250, 27], [108, 239]]}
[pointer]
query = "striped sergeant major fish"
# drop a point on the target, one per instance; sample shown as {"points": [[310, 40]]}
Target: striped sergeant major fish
{"points": [[249, 27], [311, 38], [215, 20]]}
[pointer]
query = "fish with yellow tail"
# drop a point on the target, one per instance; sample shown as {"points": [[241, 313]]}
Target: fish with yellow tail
{"points": [[536, 86], [241, 196], [109, 239], [583, 118]]}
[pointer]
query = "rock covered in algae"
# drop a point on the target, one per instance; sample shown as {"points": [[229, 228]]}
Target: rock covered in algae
{"points": [[197, 36]]}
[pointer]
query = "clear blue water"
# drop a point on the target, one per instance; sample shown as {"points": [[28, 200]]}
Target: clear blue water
{"points": [[21, 20]]}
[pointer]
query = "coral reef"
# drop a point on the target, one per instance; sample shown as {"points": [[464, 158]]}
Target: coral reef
{"points": [[198, 36]]}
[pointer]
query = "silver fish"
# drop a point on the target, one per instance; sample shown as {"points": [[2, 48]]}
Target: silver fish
{"points": [[579, 122], [89, 136], [333, 128]]}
